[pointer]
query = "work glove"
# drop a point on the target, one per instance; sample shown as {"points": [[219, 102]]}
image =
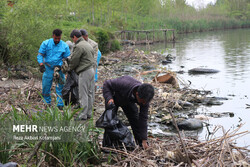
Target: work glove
{"points": [[42, 68], [110, 106]]}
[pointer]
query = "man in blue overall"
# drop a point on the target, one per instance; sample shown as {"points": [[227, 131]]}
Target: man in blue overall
{"points": [[49, 57]]}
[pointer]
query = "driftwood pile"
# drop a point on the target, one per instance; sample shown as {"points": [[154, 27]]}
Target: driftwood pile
{"points": [[169, 151], [20, 95], [112, 66], [172, 151]]}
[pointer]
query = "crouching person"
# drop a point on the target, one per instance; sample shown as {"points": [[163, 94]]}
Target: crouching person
{"points": [[125, 92], [83, 63]]}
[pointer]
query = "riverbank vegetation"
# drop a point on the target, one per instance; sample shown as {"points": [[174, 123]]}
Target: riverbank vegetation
{"points": [[25, 24]]}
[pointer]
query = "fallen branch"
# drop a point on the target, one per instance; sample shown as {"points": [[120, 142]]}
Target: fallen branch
{"points": [[215, 140], [37, 146], [182, 142], [52, 156]]}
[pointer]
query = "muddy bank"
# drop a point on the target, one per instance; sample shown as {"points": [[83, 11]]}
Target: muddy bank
{"points": [[20, 87]]}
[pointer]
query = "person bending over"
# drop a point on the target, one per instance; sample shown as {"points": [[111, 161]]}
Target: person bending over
{"points": [[126, 92]]}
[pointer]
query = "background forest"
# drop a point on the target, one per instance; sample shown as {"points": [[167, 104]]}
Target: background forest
{"points": [[25, 24]]}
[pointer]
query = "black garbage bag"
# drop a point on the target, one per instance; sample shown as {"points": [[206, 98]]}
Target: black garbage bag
{"points": [[108, 119], [118, 135], [70, 90], [115, 132]]}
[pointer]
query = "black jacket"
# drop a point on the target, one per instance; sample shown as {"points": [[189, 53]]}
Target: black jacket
{"points": [[121, 90]]}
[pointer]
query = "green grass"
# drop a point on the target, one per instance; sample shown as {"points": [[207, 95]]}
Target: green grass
{"points": [[82, 150]]}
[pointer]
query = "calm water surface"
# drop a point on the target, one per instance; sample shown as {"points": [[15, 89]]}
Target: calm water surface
{"points": [[227, 51]]}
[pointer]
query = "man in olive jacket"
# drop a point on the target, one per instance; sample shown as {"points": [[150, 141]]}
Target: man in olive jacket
{"points": [[125, 92], [82, 62]]}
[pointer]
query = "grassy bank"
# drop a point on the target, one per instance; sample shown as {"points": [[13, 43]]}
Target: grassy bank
{"points": [[26, 24]]}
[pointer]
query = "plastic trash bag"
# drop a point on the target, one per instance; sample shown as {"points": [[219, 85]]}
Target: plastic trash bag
{"points": [[108, 119], [115, 132], [70, 92], [118, 135]]}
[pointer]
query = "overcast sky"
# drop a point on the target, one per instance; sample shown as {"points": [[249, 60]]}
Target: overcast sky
{"points": [[200, 3]]}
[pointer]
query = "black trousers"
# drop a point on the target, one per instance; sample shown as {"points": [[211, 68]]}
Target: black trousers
{"points": [[131, 112]]}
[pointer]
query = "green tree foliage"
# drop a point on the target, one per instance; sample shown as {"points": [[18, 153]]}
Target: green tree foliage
{"points": [[141, 7], [180, 3], [3, 31], [25, 25], [28, 23], [238, 9]]}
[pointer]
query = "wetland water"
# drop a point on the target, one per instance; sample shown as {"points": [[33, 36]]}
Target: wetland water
{"points": [[227, 51]]}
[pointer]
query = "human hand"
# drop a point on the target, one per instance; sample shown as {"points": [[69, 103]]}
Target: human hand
{"points": [[111, 104], [145, 144], [42, 68], [110, 101]]}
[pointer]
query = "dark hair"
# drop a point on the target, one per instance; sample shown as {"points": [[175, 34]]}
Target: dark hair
{"points": [[83, 32], [57, 32], [146, 92], [76, 33]]}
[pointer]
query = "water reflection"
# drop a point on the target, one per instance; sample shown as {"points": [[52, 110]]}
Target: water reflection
{"points": [[227, 51], [237, 56]]}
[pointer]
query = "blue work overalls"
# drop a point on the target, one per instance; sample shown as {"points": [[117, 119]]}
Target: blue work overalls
{"points": [[51, 55]]}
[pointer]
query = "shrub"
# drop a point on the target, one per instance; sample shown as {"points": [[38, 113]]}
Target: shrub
{"points": [[115, 45], [103, 40]]}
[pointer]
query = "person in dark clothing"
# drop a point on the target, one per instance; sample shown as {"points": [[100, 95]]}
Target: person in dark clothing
{"points": [[125, 92]]}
